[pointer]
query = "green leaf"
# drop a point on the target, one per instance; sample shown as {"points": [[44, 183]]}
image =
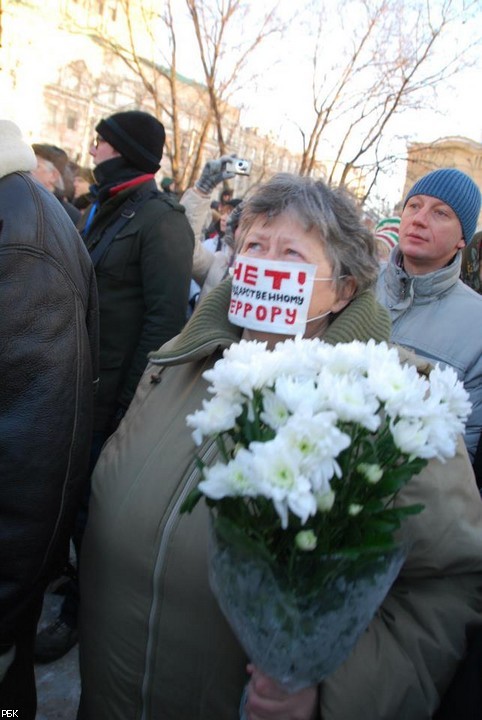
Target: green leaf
{"points": [[409, 510], [395, 479], [373, 506], [199, 464], [236, 536], [191, 501], [383, 525]]}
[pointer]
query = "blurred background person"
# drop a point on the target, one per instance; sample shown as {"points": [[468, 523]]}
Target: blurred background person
{"points": [[471, 269], [83, 179], [167, 186], [386, 236], [210, 266], [54, 173]]}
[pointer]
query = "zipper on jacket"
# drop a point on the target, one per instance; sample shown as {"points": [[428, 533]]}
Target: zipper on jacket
{"points": [[207, 455]]}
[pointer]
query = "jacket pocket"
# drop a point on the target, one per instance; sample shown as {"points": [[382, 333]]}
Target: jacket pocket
{"points": [[121, 259]]}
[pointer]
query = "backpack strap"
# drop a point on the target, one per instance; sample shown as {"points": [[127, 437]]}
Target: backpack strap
{"points": [[129, 209]]}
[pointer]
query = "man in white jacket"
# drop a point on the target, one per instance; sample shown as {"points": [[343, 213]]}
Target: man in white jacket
{"points": [[433, 312]]}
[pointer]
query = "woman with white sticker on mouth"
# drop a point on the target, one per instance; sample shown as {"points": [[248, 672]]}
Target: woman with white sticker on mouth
{"points": [[154, 643]]}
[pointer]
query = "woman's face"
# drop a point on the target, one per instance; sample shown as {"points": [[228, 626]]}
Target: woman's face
{"points": [[223, 220], [81, 186], [284, 238]]}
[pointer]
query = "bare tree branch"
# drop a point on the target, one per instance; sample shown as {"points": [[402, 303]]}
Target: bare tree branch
{"points": [[394, 59]]}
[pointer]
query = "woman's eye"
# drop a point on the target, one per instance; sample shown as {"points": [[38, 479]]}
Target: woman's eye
{"points": [[251, 245], [292, 252]]}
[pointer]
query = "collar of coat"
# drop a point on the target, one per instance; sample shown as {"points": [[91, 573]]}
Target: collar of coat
{"points": [[209, 328], [399, 284]]}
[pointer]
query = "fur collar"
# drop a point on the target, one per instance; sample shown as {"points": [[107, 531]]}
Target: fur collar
{"points": [[15, 154]]}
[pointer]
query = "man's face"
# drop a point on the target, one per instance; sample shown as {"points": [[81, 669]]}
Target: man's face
{"points": [[101, 150], [430, 234], [47, 174]]}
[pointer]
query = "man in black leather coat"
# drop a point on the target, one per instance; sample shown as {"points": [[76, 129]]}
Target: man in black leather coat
{"points": [[48, 367]]}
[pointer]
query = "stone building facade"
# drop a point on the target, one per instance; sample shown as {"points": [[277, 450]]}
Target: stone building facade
{"points": [[60, 73]]}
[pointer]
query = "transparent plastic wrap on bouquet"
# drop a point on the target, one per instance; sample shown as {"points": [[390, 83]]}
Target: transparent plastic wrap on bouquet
{"points": [[298, 640]]}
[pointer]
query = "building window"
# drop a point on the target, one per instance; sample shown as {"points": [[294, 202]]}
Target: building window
{"points": [[52, 114], [71, 121]]}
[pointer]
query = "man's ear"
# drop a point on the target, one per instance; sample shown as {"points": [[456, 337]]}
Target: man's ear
{"points": [[347, 292]]}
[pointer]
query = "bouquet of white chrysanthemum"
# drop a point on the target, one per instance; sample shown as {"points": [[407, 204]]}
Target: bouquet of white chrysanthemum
{"points": [[315, 441]]}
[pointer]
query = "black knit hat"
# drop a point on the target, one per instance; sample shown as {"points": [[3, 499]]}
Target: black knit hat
{"points": [[138, 136]]}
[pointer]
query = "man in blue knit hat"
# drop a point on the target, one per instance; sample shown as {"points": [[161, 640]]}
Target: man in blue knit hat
{"points": [[433, 312]]}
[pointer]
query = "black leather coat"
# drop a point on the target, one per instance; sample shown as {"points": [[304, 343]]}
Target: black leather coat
{"points": [[48, 363]]}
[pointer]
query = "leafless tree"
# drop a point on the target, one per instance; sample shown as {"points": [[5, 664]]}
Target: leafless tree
{"points": [[389, 63], [224, 61], [225, 47], [159, 81]]}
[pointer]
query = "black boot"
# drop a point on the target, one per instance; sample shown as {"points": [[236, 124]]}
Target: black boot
{"points": [[54, 641]]}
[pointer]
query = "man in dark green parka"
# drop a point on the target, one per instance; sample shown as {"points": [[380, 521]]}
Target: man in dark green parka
{"points": [[141, 245]]}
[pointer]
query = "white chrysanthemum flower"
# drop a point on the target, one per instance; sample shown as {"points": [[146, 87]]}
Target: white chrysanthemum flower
{"points": [[353, 401], [218, 415], [400, 387], [281, 481], [298, 356], [301, 502], [447, 390], [344, 358], [442, 425], [442, 443], [322, 474], [244, 367], [379, 354], [316, 441], [411, 436], [297, 394], [275, 413], [236, 479]]}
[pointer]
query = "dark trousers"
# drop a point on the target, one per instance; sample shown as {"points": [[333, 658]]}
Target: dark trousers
{"points": [[70, 605], [17, 691]]}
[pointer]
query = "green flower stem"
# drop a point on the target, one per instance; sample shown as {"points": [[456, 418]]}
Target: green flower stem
{"points": [[222, 447]]}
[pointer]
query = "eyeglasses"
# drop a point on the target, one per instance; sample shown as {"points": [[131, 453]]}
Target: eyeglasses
{"points": [[98, 141]]}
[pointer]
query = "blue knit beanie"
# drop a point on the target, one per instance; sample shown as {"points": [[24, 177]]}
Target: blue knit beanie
{"points": [[457, 190]]}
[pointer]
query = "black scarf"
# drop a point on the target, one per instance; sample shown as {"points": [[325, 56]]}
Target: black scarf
{"points": [[111, 173]]}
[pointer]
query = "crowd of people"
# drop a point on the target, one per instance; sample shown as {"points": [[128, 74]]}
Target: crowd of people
{"points": [[116, 296]]}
